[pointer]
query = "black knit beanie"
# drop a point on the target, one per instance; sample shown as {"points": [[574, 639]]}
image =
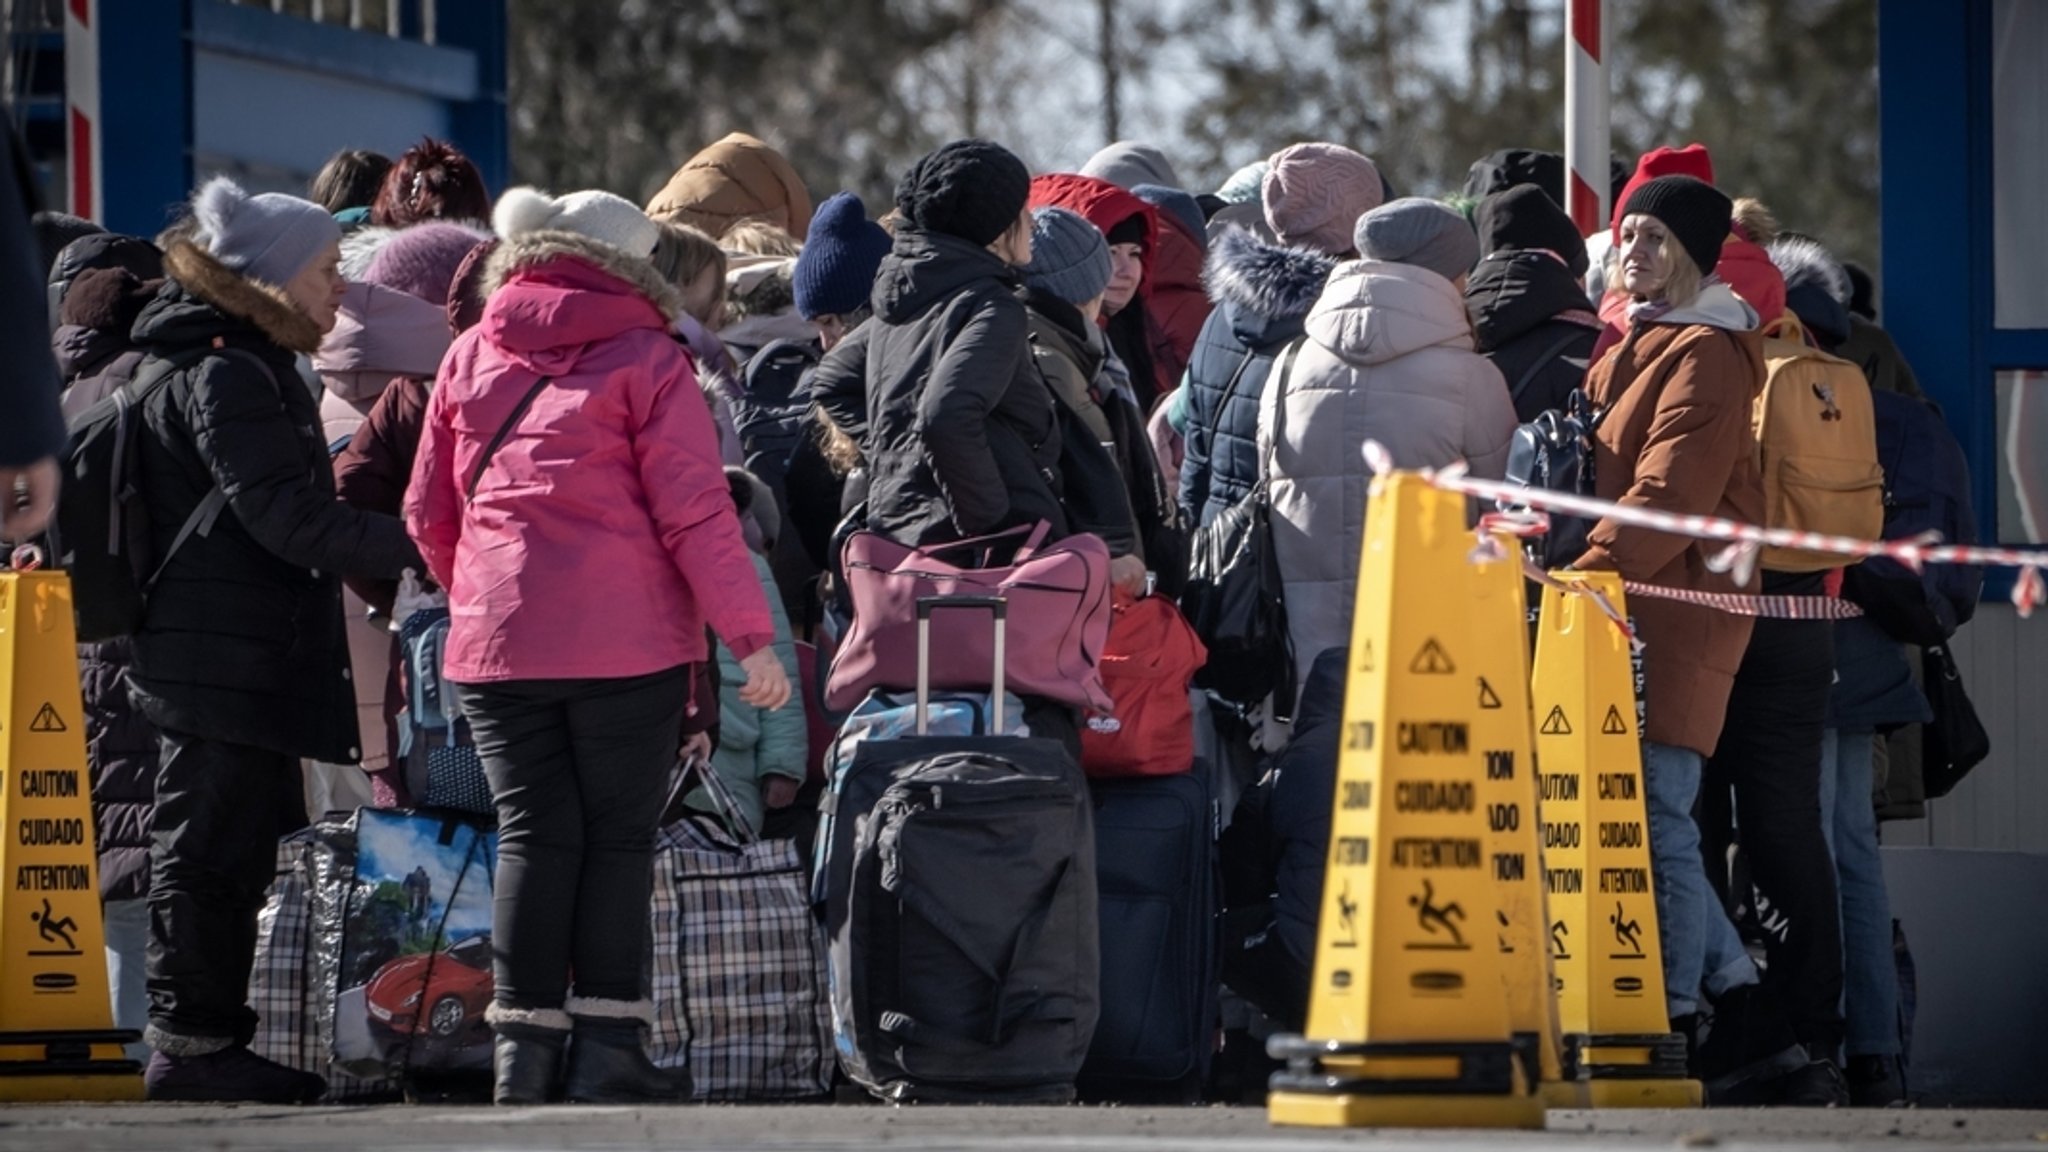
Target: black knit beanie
{"points": [[1693, 209], [972, 189]]}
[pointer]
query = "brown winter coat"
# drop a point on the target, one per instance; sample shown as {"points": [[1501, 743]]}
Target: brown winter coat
{"points": [[1676, 438]]}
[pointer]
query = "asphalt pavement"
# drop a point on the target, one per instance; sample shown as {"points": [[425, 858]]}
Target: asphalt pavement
{"points": [[821, 1128]]}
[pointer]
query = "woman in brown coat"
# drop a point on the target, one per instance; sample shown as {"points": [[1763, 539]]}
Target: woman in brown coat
{"points": [[1676, 394]]}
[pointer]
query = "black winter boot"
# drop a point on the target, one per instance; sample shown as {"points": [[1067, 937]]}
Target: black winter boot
{"points": [[608, 1061], [526, 1057], [1748, 1051], [204, 1069]]}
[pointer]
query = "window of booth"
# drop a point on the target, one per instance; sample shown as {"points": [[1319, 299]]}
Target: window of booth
{"points": [[2019, 128], [2022, 454]]}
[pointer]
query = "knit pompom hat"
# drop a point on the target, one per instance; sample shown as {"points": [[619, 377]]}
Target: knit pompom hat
{"points": [[269, 238], [1069, 257], [1315, 193], [970, 189], [598, 216], [835, 272], [1695, 211], [421, 260]]}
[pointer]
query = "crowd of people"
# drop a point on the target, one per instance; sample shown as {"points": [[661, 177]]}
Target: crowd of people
{"points": [[625, 440]]}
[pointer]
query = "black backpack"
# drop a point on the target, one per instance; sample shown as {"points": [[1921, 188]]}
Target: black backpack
{"points": [[1554, 453], [769, 416], [102, 535]]}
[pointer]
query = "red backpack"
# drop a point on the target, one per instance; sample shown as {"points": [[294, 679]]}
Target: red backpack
{"points": [[1151, 658]]}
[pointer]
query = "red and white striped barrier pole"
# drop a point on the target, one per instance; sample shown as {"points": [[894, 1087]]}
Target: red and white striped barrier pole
{"points": [[1586, 125], [82, 107]]}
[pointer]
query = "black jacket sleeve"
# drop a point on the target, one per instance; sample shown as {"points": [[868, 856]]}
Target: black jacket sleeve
{"points": [[250, 446], [839, 384], [33, 427]]}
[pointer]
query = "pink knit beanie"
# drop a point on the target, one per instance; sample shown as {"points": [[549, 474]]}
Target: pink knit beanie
{"points": [[1315, 193]]}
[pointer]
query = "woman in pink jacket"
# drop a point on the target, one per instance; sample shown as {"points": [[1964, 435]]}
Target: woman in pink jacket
{"points": [[568, 495]]}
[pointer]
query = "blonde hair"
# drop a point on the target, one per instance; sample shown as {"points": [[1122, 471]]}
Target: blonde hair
{"points": [[841, 452], [1756, 221], [759, 238], [682, 254], [1683, 283]]}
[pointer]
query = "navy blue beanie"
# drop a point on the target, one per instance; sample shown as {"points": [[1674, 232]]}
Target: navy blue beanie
{"points": [[835, 272]]}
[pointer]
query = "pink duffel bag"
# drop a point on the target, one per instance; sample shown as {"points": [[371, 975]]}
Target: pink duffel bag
{"points": [[1058, 601]]}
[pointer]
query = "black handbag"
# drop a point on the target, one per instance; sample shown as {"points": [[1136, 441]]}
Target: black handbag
{"points": [[1234, 596], [1554, 453], [1955, 740]]}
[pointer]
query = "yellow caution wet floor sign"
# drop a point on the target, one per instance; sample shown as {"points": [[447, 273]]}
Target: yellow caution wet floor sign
{"points": [[1502, 729], [1596, 848], [56, 1022], [1408, 1021]]}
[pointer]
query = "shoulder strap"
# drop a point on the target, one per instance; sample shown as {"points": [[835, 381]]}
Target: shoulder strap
{"points": [[1541, 362], [483, 462], [207, 514], [1275, 395], [1230, 389]]}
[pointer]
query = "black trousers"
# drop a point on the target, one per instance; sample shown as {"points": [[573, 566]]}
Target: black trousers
{"points": [[1769, 759], [579, 769], [220, 809]]}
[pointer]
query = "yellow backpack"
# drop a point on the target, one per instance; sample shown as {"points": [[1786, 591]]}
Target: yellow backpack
{"points": [[1816, 437]]}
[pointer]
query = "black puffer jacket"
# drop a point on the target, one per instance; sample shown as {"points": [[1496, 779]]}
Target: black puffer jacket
{"points": [[1516, 300], [961, 437], [1263, 293], [243, 638]]}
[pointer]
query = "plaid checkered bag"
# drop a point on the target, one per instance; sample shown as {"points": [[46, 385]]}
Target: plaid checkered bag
{"points": [[739, 969], [283, 972]]}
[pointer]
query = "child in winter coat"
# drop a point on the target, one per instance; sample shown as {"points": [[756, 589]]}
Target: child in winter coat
{"points": [[760, 753]]}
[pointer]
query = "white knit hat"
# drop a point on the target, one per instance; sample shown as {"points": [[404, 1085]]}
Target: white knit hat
{"points": [[599, 216]]}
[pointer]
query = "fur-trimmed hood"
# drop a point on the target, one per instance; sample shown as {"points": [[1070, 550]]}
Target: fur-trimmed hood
{"points": [[531, 250], [1257, 283], [196, 275], [552, 296]]}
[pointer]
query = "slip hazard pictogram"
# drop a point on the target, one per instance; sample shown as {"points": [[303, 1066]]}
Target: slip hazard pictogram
{"points": [[1488, 698], [1555, 724], [1614, 725], [47, 720]]}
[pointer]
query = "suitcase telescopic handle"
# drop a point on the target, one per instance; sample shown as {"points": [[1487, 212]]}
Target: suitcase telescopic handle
{"points": [[996, 607]]}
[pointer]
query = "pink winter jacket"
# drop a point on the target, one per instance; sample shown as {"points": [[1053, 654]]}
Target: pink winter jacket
{"points": [[602, 537]]}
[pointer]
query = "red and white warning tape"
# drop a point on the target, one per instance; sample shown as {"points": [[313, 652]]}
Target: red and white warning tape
{"points": [[1746, 542]]}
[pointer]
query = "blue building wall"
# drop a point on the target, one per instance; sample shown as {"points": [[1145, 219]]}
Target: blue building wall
{"points": [[191, 87]]}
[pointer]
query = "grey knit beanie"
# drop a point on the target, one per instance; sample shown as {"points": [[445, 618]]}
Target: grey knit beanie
{"points": [[1421, 232], [271, 238], [1069, 257]]}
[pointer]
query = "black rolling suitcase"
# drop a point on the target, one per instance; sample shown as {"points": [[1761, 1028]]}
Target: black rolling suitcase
{"points": [[1156, 875], [963, 957]]}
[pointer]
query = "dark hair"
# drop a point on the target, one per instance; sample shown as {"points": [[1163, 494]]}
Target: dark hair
{"points": [[433, 180], [349, 179]]}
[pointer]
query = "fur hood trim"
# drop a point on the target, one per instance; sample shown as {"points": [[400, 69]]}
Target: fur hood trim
{"points": [[532, 249], [264, 305], [1804, 261], [1271, 280], [499, 1016], [638, 1011]]}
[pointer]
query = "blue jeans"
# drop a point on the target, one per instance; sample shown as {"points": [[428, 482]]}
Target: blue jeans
{"points": [[1701, 947], [127, 925], [1870, 983]]}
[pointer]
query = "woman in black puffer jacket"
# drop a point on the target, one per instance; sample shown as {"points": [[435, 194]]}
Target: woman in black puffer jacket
{"points": [[240, 660]]}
